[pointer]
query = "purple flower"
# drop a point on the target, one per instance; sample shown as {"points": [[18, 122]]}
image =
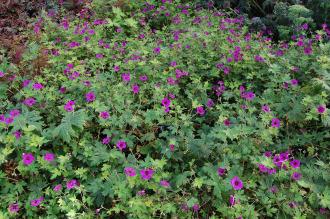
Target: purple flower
{"points": [[195, 207], [143, 78], [172, 147], [130, 171], [200, 110], [126, 77], [209, 103], [321, 109], [71, 184], [295, 164], [90, 97], [146, 174], [284, 156], [292, 204], [221, 171], [265, 108], [323, 210], [2, 74], [17, 134], [69, 106], [268, 154], [14, 113], [166, 102], [164, 183], [29, 101], [273, 189], [27, 158], [99, 56], [141, 193], [173, 63], [294, 82], [121, 145], [13, 208], [232, 200], [26, 83], [262, 168], [296, 176], [157, 50], [57, 188], [276, 123], [36, 202], [226, 122], [249, 95], [271, 171], [106, 140], [49, 157], [37, 86], [116, 68], [135, 88], [104, 115], [236, 183]]}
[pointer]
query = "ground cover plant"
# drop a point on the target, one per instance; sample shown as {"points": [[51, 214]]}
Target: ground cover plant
{"points": [[160, 109]]}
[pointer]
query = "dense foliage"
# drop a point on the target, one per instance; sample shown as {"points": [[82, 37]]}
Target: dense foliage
{"points": [[159, 109]]}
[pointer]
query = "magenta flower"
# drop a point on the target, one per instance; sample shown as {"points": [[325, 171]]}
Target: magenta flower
{"points": [[166, 102], [265, 108], [273, 189], [29, 101], [49, 157], [36, 202], [195, 207], [116, 68], [226, 122], [106, 140], [236, 183], [104, 115], [209, 103], [268, 154], [135, 88], [13, 208], [26, 83], [172, 147], [121, 145], [157, 50], [126, 77], [99, 56], [295, 164], [141, 193], [14, 113], [17, 134], [143, 78], [37, 86], [271, 171], [130, 171], [296, 176], [69, 106], [262, 168], [28, 158], [71, 184], [294, 82], [90, 97], [276, 123], [200, 110], [321, 109], [232, 200], [146, 174], [164, 183], [57, 187], [221, 171], [2, 74]]}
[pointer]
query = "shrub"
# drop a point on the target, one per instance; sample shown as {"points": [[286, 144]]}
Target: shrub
{"points": [[199, 118]]}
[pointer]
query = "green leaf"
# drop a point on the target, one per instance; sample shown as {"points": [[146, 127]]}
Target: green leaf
{"points": [[66, 129]]}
